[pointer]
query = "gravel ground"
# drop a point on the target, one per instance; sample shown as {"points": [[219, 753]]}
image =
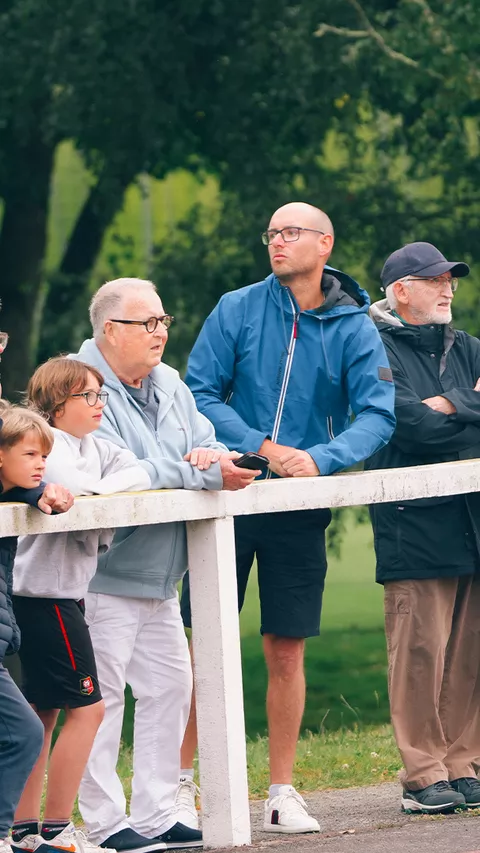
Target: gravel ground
{"points": [[368, 820]]}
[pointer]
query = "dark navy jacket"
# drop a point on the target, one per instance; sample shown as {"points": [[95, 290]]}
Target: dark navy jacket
{"points": [[261, 368], [432, 537], [9, 632]]}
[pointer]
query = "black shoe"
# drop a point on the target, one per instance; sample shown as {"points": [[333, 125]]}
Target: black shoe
{"points": [[128, 839], [180, 836], [469, 786], [440, 797]]}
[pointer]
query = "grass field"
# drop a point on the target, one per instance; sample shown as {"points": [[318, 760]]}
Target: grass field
{"points": [[345, 666]]}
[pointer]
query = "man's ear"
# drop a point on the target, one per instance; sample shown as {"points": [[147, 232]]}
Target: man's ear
{"points": [[326, 245], [109, 332], [401, 293]]}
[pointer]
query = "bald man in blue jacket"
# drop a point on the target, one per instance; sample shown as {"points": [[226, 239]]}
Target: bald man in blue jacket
{"points": [[279, 368]]}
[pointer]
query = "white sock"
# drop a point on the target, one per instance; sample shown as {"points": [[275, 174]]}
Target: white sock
{"points": [[186, 774], [275, 790]]}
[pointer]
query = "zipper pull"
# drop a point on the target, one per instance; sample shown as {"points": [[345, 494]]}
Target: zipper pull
{"points": [[296, 323]]}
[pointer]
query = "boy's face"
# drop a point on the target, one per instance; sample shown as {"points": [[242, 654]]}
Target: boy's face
{"points": [[23, 464], [76, 416]]}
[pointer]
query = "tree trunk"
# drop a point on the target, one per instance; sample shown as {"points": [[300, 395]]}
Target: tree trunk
{"points": [[66, 317], [23, 240]]}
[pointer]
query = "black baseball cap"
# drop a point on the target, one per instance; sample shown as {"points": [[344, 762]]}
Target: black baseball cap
{"points": [[419, 259]]}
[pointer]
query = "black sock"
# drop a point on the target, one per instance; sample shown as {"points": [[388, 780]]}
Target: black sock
{"points": [[21, 828], [51, 828]]}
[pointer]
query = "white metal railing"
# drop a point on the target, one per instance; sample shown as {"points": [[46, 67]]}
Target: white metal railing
{"points": [[216, 636]]}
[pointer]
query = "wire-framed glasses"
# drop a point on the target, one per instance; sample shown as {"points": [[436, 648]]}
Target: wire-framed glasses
{"points": [[289, 235]]}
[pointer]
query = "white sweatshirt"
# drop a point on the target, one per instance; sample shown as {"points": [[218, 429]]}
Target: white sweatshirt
{"points": [[61, 565]]}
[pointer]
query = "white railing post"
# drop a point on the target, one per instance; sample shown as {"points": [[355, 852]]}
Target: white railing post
{"points": [[218, 683]]}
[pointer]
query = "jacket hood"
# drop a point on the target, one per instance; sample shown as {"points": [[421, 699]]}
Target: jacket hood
{"points": [[165, 377], [336, 295], [381, 313], [429, 337], [343, 295]]}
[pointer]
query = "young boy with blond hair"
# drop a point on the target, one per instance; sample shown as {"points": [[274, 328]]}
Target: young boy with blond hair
{"points": [[25, 442]]}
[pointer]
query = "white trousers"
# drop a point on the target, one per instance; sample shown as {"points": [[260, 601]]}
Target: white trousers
{"points": [[140, 642]]}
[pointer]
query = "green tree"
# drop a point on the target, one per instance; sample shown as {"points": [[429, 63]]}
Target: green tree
{"points": [[238, 89]]}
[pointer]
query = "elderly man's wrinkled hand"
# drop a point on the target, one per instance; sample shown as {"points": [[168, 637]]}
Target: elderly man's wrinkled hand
{"points": [[55, 498], [235, 478], [202, 457], [440, 404], [299, 463]]}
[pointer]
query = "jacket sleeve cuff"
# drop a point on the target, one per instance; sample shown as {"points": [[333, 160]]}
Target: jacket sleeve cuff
{"points": [[464, 413], [323, 459], [212, 478], [253, 440]]}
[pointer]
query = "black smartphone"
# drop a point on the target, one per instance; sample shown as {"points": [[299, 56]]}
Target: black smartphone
{"points": [[252, 461]]}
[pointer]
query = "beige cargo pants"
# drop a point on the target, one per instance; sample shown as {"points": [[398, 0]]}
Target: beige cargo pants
{"points": [[433, 642]]}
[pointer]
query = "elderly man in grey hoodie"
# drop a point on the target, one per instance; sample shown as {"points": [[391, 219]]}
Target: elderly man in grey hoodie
{"points": [[132, 606]]}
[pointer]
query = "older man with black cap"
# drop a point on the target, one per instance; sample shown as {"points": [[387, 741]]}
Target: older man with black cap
{"points": [[428, 550]]}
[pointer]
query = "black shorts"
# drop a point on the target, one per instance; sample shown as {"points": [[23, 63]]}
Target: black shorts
{"points": [[58, 664], [292, 564]]}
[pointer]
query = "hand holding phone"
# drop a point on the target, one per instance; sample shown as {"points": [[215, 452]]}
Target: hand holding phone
{"points": [[252, 461]]}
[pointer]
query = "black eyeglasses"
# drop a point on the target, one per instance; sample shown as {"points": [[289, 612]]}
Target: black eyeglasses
{"points": [[151, 324], [288, 235], [92, 397]]}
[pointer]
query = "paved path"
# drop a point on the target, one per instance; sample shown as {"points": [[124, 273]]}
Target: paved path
{"points": [[368, 820]]}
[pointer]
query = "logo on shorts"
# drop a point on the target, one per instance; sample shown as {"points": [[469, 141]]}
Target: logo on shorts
{"points": [[86, 685]]}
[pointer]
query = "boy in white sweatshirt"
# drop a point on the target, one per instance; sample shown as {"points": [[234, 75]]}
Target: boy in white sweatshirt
{"points": [[51, 577]]}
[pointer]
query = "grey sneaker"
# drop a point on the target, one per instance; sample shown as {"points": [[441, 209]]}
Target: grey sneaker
{"points": [[439, 797], [469, 786]]}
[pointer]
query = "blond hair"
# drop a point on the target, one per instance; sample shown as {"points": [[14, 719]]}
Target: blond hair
{"points": [[17, 422], [54, 381]]}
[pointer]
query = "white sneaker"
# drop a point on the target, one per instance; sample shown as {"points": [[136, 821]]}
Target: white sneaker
{"points": [[71, 839], [26, 845], [5, 846], [287, 812], [185, 802]]}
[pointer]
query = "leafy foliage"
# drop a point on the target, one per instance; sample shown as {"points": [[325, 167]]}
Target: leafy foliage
{"points": [[367, 108]]}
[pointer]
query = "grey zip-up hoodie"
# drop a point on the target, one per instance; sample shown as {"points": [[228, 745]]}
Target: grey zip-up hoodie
{"points": [[148, 561]]}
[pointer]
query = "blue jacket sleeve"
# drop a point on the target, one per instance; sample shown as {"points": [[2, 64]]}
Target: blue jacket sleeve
{"points": [[210, 373], [372, 400], [26, 496]]}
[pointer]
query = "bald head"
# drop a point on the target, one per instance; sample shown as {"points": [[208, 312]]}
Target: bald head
{"points": [[300, 242], [305, 215]]}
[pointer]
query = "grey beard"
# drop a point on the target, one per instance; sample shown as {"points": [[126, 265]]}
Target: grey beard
{"points": [[437, 319]]}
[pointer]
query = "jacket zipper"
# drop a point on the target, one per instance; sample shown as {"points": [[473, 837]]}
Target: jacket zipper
{"points": [[330, 427], [286, 375]]}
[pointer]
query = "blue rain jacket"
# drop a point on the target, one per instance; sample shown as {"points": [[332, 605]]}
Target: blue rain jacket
{"points": [[261, 368]]}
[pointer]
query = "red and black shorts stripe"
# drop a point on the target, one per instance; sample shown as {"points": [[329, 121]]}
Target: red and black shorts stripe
{"points": [[56, 653]]}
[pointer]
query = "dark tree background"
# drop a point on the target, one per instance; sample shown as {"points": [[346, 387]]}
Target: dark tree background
{"points": [[367, 109]]}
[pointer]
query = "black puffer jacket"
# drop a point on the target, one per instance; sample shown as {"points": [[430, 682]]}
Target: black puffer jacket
{"points": [[439, 536], [9, 632]]}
